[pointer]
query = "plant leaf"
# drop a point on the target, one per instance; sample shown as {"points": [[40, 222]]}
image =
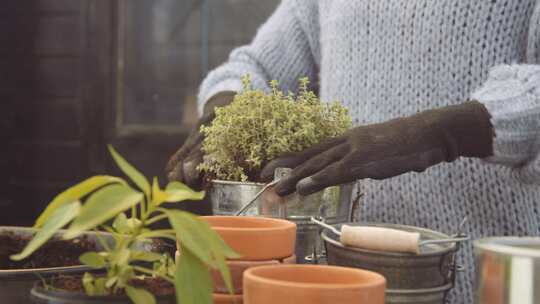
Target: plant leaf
{"points": [[191, 233], [131, 171], [133, 224], [218, 244], [88, 284], [120, 258], [99, 286], [102, 206], [139, 295], [120, 223], [177, 192], [221, 251], [75, 193], [158, 195], [221, 265], [197, 236], [58, 219], [110, 282], [192, 281], [92, 259], [145, 256]]}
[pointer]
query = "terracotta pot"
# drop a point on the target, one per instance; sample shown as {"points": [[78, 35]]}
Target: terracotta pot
{"points": [[237, 269], [256, 238], [299, 284], [227, 299]]}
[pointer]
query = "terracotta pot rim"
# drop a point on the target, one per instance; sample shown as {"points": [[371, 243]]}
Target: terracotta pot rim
{"points": [[267, 262], [225, 296], [377, 279], [277, 224]]}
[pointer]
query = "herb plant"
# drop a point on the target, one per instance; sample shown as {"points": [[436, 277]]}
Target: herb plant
{"points": [[258, 127], [108, 198]]}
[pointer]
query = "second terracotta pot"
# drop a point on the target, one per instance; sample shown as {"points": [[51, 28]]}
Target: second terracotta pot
{"points": [[256, 238], [237, 269], [227, 299], [303, 284]]}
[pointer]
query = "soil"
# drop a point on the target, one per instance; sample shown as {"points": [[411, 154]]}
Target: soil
{"points": [[156, 286], [55, 253]]}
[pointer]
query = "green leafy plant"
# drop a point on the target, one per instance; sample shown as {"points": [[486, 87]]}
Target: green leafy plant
{"points": [[108, 198], [258, 127]]}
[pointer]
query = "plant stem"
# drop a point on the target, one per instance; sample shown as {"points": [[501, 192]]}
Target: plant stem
{"points": [[160, 233], [102, 241], [143, 207], [134, 211], [150, 272], [156, 218]]}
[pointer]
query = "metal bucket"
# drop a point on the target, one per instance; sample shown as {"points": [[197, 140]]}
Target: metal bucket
{"points": [[433, 267], [336, 204], [507, 270], [418, 296]]}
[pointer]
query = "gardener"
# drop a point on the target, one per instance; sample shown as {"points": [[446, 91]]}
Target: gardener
{"points": [[448, 88]]}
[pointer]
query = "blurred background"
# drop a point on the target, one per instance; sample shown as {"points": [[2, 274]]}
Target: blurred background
{"points": [[76, 75]]}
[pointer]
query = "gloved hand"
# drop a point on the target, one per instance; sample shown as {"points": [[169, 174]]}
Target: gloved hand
{"points": [[182, 166], [388, 149]]}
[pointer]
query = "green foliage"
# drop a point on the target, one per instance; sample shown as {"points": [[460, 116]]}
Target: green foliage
{"points": [[75, 193], [58, 219], [258, 127], [193, 281], [90, 204]]}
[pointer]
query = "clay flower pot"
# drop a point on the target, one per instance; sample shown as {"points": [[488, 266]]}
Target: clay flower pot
{"points": [[227, 299], [256, 238], [303, 284], [237, 269]]}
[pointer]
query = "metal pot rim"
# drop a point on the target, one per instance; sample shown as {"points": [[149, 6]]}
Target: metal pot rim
{"points": [[508, 246], [224, 182], [41, 293], [443, 288], [444, 250]]}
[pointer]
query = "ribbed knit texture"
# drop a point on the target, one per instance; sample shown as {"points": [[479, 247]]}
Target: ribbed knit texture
{"points": [[392, 58]]}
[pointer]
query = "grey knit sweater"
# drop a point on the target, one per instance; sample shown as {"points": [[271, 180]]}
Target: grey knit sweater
{"points": [[391, 58]]}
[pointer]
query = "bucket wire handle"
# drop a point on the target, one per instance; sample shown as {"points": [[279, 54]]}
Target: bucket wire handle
{"points": [[254, 199], [279, 173], [421, 243], [325, 225]]}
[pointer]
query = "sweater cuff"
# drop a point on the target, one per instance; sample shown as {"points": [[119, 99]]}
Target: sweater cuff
{"points": [[232, 84], [511, 95]]}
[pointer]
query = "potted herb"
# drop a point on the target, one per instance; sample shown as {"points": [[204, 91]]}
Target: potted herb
{"points": [[257, 127], [131, 274]]}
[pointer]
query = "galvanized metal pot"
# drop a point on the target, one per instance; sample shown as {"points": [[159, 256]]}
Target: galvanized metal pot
{"points": [[41, 296], [336, 204], [508, 270], [424, 278], [15, 284], [436, 295]]}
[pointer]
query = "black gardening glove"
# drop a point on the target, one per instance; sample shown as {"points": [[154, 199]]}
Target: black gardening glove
{"points": [[388, 149], [182, 166]]}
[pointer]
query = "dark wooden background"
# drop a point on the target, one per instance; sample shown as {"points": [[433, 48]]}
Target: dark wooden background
{"points": [[57, 88]]}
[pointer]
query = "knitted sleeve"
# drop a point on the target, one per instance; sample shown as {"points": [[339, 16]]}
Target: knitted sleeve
{"points": [[280, 50], [512, 96]]}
